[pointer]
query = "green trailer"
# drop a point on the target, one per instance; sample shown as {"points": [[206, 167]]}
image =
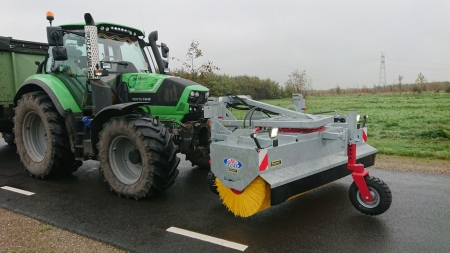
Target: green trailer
{"points": [[18, 59]]}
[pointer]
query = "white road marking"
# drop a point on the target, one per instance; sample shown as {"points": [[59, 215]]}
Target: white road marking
{"points": [[17, 190], [208, 238]]}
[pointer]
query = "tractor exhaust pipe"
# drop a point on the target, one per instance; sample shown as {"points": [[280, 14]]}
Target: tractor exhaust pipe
{"points": [[101, 93], [152, 38]]}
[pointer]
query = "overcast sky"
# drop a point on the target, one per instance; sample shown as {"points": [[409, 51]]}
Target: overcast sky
{"points": [[336, 42]]}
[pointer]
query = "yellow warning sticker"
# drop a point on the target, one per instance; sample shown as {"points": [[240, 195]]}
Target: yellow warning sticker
{"points": [[233, 170], [275, 163]]}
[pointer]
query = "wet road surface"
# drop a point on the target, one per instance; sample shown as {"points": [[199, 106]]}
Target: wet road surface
{"points": [[321, 221]]}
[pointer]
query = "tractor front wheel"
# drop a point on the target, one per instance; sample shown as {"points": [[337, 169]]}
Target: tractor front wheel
{"points": [[381, 197], [137, 156]]}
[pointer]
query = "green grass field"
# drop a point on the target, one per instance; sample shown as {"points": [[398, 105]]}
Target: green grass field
{"points": [[399, 124]]}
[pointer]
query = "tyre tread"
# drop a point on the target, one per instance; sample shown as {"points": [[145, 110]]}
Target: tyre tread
{"points": [[383, 190], [62, 160], [162, 164]]}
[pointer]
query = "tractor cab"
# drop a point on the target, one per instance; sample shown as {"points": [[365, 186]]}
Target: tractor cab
{"points": [[120, 61], [120, 50]]}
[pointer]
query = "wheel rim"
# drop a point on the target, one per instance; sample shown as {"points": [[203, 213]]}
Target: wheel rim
{"points": [[375, 198], [119, 153], [35, 136]]}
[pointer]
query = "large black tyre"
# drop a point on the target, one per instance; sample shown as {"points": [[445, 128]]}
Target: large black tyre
{"points": [[9, 138], [137, 156], [41, 137], [381, 197]]}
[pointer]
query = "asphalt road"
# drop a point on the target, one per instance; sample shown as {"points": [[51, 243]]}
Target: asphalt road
{"points": [[321, 221]]}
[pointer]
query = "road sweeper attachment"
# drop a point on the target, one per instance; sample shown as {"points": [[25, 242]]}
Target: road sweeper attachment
{"points": [[276, 154]]}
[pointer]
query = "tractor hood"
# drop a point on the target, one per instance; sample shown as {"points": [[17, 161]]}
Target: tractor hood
{"points": [[159, 89], [143, 82]]}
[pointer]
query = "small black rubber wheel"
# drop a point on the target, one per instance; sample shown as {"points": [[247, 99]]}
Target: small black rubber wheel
{"points": [[137, 156], [9, 138], [211, 180], [41, 137], [381, 197]]}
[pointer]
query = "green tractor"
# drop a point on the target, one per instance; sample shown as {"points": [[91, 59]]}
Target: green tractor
{"points": [[95, 96]]}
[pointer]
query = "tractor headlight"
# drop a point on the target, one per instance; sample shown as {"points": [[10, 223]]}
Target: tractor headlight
{"points": [[358, 117], [192, 94], [207, 94], [197, 94], [273, 132]]}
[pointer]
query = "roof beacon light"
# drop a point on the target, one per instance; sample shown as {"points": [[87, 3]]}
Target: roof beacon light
{"points": [[50, 17]]}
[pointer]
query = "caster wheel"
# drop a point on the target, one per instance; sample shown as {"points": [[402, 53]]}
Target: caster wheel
{"points": [[381, 197]]}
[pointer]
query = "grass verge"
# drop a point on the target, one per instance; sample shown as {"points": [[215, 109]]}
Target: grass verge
{"points": [[403, 124]]}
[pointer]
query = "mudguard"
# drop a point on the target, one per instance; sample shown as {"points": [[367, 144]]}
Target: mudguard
{"points": [[107, 113], [55, 89]]}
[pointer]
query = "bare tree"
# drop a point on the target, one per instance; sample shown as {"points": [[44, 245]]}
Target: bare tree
{"points": [[420, 84], [338, 89], [400, 78], [299, 82], [189, 69]]}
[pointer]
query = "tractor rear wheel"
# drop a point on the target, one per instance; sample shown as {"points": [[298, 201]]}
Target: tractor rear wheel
{"points": [[381, 197], [41, 137], [137, 156]]}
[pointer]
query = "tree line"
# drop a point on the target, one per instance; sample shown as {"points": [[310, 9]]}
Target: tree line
{"points": [[297, 82]]}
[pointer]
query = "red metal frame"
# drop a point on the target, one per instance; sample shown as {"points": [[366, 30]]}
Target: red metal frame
{"points": [[236, 191], [358, 173], [301, 130]]}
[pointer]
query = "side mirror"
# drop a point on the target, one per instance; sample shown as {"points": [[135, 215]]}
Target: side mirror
{"points": [[59, 53], [164, 50], [55, 36]]}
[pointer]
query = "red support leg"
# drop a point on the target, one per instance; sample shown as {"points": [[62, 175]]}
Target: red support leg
{"points": [[358, 173]]}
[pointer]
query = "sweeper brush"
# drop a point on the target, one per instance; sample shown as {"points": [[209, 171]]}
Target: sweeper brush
{"points": [[254, 198], [276, 154]]}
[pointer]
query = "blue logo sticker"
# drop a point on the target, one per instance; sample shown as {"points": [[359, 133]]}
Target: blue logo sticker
{"points": [[232, 163]]}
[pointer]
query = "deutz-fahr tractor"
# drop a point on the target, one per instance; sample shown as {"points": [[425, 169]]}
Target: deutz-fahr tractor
{"points": [[95, 96]]}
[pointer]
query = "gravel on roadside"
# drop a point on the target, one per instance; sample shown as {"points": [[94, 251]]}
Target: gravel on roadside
{"points": [[412, 164], [19, 233]]}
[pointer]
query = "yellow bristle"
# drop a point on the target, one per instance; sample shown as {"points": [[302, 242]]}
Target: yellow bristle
{"points": [[254, 198]]}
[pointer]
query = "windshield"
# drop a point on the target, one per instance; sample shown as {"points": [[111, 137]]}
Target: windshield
{"points": [[122, 50], [124, 54]]}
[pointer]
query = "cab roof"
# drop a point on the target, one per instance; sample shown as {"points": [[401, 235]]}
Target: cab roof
{"points": [[107, 27]]}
